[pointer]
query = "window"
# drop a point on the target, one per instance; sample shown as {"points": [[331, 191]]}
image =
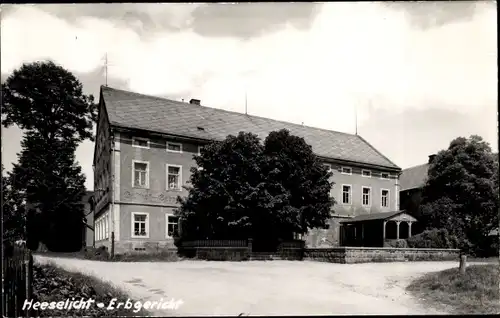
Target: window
{"points": [[174, 147], [366, 200], [140, 224], [366, 173], [346, 170], [174, 177], [140, 142], [346, 194], [172, 225], [384, 175], [199, 150], [328, 166], [385, 198], [141, 174]]}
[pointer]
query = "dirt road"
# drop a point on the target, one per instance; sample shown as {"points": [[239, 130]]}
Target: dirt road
{"points": [[266, 288]]}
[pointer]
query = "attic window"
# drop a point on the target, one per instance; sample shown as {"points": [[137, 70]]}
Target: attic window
{"points": [[200, 128]]}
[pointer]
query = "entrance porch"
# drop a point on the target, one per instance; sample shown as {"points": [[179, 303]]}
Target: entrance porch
{"points": [[373, 230]]}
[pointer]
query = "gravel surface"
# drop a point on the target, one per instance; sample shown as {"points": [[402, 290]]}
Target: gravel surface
{"points": [[266, 287]]}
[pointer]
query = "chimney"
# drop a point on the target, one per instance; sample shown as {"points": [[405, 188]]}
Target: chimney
{"points": [[195, 101], [431, 158]]}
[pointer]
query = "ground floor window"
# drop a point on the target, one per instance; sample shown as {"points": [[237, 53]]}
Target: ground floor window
{"points": [[172, 224], [140, 224]]}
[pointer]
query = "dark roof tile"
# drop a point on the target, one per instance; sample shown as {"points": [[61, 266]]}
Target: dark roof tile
{"points": [[133, 110], [413, 177]]}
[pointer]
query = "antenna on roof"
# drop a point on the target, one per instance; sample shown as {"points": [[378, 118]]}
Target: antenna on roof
{"points": [[356, 117], [246, 104], [106, 68]]}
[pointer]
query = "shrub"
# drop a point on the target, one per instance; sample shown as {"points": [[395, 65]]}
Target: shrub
{"points": [[434, 238], [401, 243]]}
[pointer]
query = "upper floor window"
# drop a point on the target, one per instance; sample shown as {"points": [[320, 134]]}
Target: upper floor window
{"points": [[140, 174], [172, 225], [346, 170], [385, 198], [174, 177], [346, 194], [366, 196], [328, 166], [140, 142], [384, 175], [199, 150], [174, 147], [366, 173]]}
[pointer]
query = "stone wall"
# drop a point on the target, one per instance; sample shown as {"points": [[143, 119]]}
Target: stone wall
{"points": [[351, 255]]}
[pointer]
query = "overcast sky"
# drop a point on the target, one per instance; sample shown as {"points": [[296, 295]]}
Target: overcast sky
{"points": [[419, 74]]}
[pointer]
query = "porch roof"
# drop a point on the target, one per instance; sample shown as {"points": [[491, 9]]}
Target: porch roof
{"points": [[378, 216]]}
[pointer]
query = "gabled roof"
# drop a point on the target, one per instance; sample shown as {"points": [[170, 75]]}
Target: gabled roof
{"points": [[413, 177], [136, 111], [373, 217]]}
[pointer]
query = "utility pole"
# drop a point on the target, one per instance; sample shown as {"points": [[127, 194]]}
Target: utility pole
{"points": [[106, 68], [246, 104]]}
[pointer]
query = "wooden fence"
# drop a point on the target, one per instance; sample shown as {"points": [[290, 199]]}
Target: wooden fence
{"points": [[17, 275]]}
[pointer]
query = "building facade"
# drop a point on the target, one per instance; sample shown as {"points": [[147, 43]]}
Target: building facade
{"points": [[144, 151]]}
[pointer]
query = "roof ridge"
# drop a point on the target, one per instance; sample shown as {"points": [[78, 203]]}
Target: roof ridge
{"points": [[238, 113], [412, 167]]}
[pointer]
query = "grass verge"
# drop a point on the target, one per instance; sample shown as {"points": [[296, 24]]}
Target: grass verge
{"points": [[54, 284], [475, 292]]}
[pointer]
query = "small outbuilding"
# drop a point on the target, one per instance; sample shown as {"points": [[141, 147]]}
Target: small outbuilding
{"points": [[373, 230]]}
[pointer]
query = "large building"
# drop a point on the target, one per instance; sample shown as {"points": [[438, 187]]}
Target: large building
{"points": [[144, 150]]}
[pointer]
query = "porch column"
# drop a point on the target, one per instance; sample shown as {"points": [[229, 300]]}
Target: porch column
{"points": [[409, 228], [397, 229], [383, 233]]}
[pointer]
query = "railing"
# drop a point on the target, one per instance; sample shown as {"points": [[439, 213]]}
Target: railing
{"points": [[17, 274], [216, 243]]}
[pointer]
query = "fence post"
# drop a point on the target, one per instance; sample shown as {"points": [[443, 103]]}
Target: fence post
{"points": [[463, 263], [249, 247]]}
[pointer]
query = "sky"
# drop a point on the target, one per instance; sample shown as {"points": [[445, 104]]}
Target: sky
{"points": [[417, 74]]}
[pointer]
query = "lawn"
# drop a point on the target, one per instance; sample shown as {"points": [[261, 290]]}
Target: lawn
{"points": [[475, 292]]}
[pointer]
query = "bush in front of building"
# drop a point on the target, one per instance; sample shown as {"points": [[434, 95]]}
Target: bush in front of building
{"points": [[434, 238], [400, 243]]}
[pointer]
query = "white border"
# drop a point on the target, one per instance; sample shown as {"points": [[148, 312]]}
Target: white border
{"points": [[199, 150], [133, 174], [173, 143], [180, 177], [132, 220], [388, 198], [388, 175], [364, 170], [342, 194], [140, 138], [369, 197]]}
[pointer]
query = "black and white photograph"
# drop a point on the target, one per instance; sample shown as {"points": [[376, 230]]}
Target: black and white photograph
{"points": [[250, 159]]}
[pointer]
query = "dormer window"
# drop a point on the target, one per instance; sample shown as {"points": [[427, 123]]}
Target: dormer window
{"points": [[174, 147], [366, 173], [346, 170], [140, 142]]}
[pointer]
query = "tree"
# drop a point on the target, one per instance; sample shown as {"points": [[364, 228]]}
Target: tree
{"points": [[46, 98], [13, 210], [243, 188], [460, 194], [47, 103]]}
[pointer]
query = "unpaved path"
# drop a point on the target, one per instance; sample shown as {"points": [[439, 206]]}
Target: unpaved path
{"points": [[266, 287]]}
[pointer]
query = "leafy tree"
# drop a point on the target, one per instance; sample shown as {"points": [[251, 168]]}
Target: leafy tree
{"points": [[243, 188], [47, 103], [13, 210], [460, 194]]}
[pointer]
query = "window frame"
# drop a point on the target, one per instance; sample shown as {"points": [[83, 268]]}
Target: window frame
{"points": [[173, 143], [369, 196], [167, 223], [146, 226], [342, 194], [133, 174], [345, 167], [199, 149], [366, 170], [382, 176], [142, 139], [179, 180], [382, 198]]}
